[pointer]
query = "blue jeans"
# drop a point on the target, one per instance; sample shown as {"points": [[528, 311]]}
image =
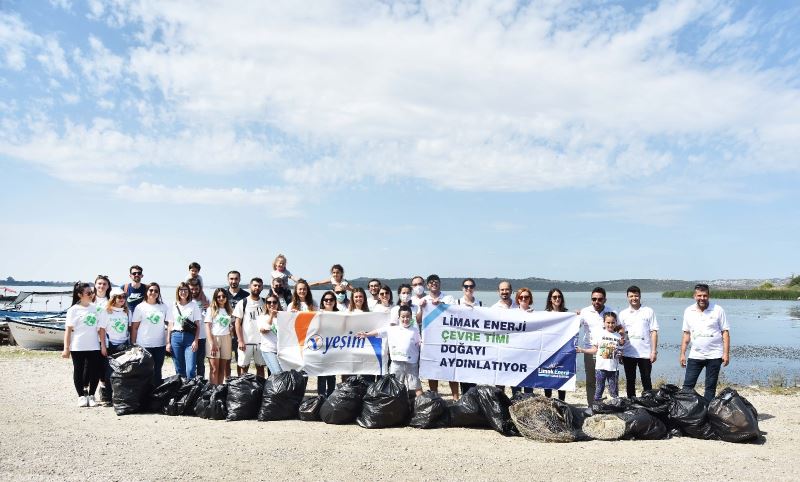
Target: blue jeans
{"points": [[271, 359], [693, 368], [200, 355], [183, 357], [158, 353]]}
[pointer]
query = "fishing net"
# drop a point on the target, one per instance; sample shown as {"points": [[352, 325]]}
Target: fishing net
{"points": [[604, 427], [544, 420]]}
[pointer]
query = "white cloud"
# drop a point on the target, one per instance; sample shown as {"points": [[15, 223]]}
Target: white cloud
{"points": [[15, 41], [101, 67]]}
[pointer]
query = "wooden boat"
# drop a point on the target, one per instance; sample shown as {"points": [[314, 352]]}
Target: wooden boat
{"points": [[38, 334], [14, 307]]}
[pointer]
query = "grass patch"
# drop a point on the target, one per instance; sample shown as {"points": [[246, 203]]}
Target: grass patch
{"points": [[773, 294], [18, 353]]}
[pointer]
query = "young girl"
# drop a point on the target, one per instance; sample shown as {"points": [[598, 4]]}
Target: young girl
{"points": [[218, 334], [102, 285], [116, 318], [148, 328], [607, 347], [359, 302], [269, 334], [336, 279], [85, 342], [182, 336], [280, 272], [404, 342]]}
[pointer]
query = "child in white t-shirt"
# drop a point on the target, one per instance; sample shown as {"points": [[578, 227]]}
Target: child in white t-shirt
{"points": [[404, 342], [608, 347], [279, 271]]}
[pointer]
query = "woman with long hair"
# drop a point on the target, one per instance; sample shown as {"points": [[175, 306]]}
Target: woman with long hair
{"points": [[384, 304], [358, 301], [149, 327], [85, 343], [269, 334], [184, 332], [326, 384], [218, 334], [102, 287], [555, 302], [116, 318], [301, 297], [524, 301]]}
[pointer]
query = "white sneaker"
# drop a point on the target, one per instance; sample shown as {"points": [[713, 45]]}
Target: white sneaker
{"points": [[90, 401], [83, 401]]}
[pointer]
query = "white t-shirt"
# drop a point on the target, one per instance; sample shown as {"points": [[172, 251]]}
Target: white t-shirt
{"points": [[152, 321], [85, 323], [100, 303], [380, 308], [220, 324], [638, 325], [269, 340], [403, 342], [592, 323], [116, 324], [304, 307], [282, 275], [463, 302], [608, 349], [372, 303], [250, 319], [443, 298], [189, 311], [504, 306], [706, 330], [199, 279], [394, 314]]}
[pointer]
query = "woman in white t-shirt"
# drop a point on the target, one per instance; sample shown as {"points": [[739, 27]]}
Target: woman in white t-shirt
{"points": [[358, 302], [149, 328], [301, 297], [116, 319], [102, 286], [384, 304], [184, 332], [555, 302], [269, 334], [524, 299], [85, 342], [218, 333], [327, 384]]}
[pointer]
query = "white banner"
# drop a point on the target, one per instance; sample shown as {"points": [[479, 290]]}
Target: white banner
{"points": [[325, 343], [499, 347]]}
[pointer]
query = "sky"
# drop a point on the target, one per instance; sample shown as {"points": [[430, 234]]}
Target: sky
{"points": [[566, 140]]}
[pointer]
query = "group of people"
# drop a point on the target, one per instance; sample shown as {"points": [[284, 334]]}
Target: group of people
{"points": [[240, 324]]}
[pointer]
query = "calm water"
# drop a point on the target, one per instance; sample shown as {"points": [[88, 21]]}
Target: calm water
{"points": [[765, 335]]}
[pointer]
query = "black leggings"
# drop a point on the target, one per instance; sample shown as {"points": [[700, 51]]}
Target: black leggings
{"points": [[87, 368], [645, 367], [562, 394]]}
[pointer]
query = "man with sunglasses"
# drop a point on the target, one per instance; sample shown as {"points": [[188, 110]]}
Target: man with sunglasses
{"points": [[435, 297], [374, 287], [592, 327], [134, 291]]}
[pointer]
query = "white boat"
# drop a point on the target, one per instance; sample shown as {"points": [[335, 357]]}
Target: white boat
{"points": [[36, 334]]}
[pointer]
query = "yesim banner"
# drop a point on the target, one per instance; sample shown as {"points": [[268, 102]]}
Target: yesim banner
{"points": [[499, 347], [325, 343]]}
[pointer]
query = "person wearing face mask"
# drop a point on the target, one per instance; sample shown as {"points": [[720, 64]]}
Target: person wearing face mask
{"points": [[417, 289], [279, 291], [405, 298], [342, 303]]}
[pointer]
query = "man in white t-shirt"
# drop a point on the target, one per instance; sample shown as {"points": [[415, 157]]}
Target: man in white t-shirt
{"points": [[433, 298], [641, 349], [245, 316], [706, 327], [504, 292], [592, 327], [417, 290], [374, 287]]}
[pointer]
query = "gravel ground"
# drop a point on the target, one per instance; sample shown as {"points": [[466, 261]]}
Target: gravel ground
{"points": [[45, 437]]}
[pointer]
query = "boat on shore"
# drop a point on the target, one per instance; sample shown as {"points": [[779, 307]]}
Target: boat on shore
{"points": [[13, 309], [38, 333]]}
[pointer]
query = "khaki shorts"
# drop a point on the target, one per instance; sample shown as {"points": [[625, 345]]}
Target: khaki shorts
{"points": [[251, 353], [224, 349]]}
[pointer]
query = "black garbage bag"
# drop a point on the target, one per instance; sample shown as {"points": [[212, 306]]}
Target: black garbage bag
{"points": [[163, 393], [283, 394], [217, 403], [429, 408], [201, 405], [244, 397], [185, 399], [344, 404], [385, 404], [494, 406], [466, 412], [614, 405], [641, 425], [310, 407], [689, 412], [654, 401], [733, 417], [131, 379]]}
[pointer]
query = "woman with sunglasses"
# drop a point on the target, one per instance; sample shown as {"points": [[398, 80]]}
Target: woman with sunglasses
{"points": [[149, 328], [301, 297], [116, 318], [358, 301], [326, 384], [184, 332], [384, 304], [218, 333], [269, 334], [468, 285], [524, 301], [85, 343], [555, 302]]}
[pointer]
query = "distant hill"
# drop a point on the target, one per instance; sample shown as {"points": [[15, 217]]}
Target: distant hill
{"points": [[12, 282], [541, 284]]}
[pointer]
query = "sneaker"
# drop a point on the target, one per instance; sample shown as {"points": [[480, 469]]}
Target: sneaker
{"points": [[83, 402], [588, 412], [90, 401]]}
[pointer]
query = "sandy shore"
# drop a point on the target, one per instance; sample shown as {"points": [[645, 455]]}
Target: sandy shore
{"points": [[45, 436]]}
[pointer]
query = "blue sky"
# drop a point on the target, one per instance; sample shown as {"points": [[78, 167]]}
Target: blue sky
{"points": [[558, 139]]}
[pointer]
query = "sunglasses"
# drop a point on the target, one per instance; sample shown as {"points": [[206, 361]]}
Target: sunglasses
{"points": [[271, 302], [555, 297], [328, 300], [383, 294], [524, 297], [136, 273], [222, 297], [152, 290], [469, 287]]}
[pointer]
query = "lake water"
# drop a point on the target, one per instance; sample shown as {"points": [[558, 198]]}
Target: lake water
{"points": [[765, 335]]}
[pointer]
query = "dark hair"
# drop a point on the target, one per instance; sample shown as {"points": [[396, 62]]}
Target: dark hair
{"points": [[309, 299], [195, 281], [195, 265], [233, 271], [633, 289], [403, 308], [610, 314], [259, 280], [280, 308], [322, 300], [108, 290], [469, 279], [77, 290], [388, 290], [404, 285], [599, 289], [433, 277], [374, 279], [339, 267], [150, 285], [549, 305], [702, 287], [415, 277], [352, 299], [182, 284], [136, 266]]}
